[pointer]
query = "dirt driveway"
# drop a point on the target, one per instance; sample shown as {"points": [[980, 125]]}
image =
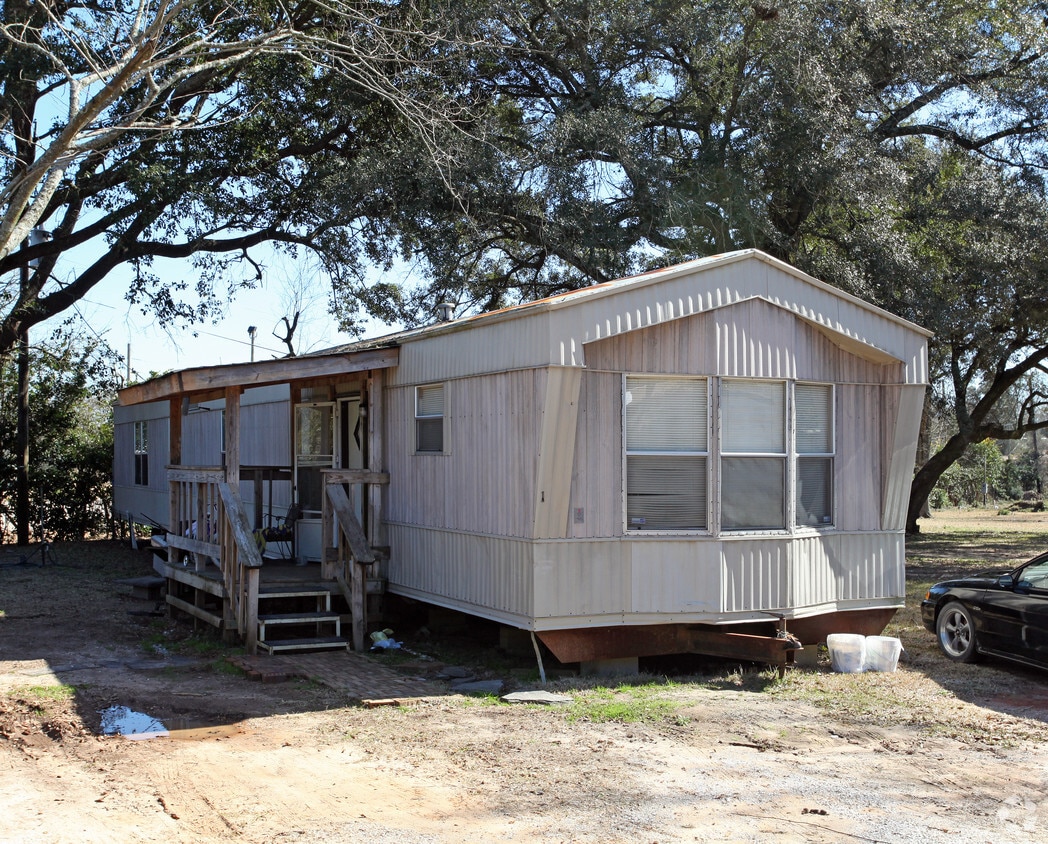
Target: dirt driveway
{"points": [[918, 755]]}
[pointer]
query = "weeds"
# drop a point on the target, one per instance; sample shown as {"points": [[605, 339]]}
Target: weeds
{"points": [[628, 704], [59, 692]]}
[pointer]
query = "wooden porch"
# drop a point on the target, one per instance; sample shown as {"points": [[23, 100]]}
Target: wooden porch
{"points": [[215, 571], [211, 556]]}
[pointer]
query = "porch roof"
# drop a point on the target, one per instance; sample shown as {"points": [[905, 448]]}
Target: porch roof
{"points": [[200, 381]]}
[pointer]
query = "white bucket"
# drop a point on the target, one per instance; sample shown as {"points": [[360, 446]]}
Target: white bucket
{"points": [[847, 652], [882, 653]]}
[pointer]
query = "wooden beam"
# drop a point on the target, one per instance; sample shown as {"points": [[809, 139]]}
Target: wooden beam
{"points": [[232, 423], [244, 375], [351, 529], [354, 476], [376, 458], [195, 611], [174, 445]]}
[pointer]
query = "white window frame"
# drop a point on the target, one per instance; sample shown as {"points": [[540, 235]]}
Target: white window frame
{"points": [[631, 524], [827, 456], [140, 464], [422, 418], [777, 453]]}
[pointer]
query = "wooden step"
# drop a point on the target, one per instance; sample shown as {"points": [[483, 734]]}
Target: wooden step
{"points": [[314, 644], [299, 617], [292, 592], [323, 617]]}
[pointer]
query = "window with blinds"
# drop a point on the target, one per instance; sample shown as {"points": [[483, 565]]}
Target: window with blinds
{"points": [[429, 419], [753, 455], [666, 431], [813, 434]]}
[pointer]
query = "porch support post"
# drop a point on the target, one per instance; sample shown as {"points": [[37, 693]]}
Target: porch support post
{"points": [[376, 529], [232, 466], [174, 458]]}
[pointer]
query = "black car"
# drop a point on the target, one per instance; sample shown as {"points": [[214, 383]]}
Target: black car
{"points": [[1000, 613]]}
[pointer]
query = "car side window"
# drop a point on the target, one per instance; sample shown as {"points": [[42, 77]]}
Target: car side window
{"points": [[1034, 576]]}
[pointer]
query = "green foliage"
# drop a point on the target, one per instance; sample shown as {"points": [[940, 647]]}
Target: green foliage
{"points": [[982, 466], [71, 390]]}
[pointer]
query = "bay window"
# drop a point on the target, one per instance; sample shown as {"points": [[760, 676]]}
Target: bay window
{"points": [[773, 455]]}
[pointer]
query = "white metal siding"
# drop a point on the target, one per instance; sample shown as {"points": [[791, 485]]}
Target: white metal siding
{"points": [[596, 488], [478, 574], [677, 580], [755, 575], [860, 455], [581, 579], [681, 577], [753, 339], [485, 480], [555, 334]]}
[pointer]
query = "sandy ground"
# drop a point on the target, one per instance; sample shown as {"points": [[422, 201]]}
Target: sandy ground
{"points": [[294, 761]]}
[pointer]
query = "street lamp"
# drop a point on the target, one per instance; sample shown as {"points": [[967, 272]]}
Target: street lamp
{"points": [[251, 331]]}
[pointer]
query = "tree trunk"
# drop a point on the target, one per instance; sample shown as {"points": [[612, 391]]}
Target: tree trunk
{"points": [[928, 475]]}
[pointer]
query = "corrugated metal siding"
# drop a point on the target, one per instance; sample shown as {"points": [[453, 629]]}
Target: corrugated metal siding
{"points": [[265, 431], [485, 482], [123, 453], [470, 571], [902, 431], [860, 453], [847, 567], [581, 578], [755, 575], [752, 339], [681, 576], [159, 452], [596, 486], [556, 335], [202, 438], [141, 504]]}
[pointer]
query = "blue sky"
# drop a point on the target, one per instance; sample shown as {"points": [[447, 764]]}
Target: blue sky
{"points": [[154, 348]]}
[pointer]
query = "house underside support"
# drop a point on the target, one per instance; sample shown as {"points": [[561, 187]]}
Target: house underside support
{"points": [[772, 642]]}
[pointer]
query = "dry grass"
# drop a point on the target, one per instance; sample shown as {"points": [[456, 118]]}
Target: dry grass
{"points": [[987, 704]]}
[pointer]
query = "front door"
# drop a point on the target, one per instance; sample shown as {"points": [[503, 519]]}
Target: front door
{"points": [[314, 450], [353, 432]]}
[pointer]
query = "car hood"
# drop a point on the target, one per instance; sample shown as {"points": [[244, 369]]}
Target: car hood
{"points": [[983, 580]]}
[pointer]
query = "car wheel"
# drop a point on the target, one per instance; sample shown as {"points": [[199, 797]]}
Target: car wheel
{"points": [[956, 633]]}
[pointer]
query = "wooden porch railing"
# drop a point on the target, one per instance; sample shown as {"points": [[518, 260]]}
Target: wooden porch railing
{"points": [[354, 557], [209, 522], [193, 522]]}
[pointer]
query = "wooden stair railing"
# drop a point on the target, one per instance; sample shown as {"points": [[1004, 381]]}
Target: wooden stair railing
{"points": [[354, 555], [241, 562]]}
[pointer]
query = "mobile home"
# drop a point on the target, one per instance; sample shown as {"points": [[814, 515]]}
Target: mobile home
{"points": [[685, 460]]}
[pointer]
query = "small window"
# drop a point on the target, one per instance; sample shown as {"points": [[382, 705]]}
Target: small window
{"points": [[142, 454], [429, 419]]}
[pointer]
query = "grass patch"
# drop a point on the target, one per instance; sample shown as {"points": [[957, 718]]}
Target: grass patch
{"points": [[627, 704], [46, 693], [226, 668]]}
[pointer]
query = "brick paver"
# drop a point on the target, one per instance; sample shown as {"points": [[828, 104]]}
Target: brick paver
{"points": [[357, 676]]}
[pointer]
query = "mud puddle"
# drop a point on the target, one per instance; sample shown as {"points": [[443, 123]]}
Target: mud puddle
{"points": [[138, 726]]}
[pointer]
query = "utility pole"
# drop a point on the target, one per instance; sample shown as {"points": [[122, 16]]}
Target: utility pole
{"points": [[22, 425]]}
